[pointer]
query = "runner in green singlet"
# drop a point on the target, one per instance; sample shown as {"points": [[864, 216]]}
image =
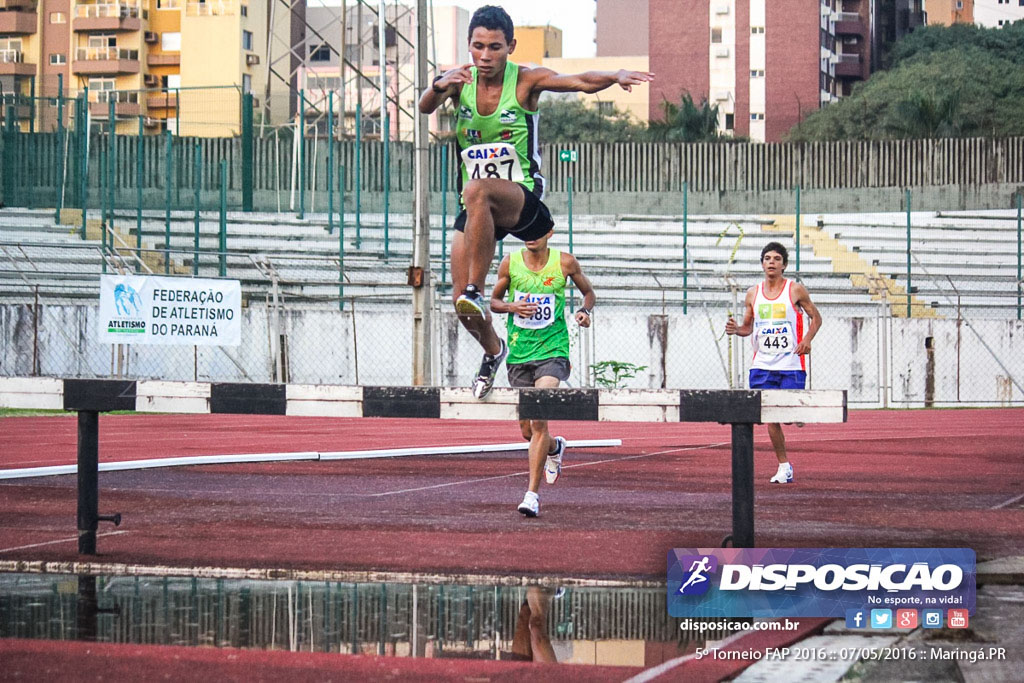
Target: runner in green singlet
{"points": [[500, 183], [531, 289]]}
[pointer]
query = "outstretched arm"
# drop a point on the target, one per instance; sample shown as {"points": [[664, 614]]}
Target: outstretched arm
{"points": [[588, 82]]}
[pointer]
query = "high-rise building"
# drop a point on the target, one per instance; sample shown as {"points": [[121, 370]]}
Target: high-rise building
{"points": [[766, 64], [177, 65], [621, 28], [997, 13]]}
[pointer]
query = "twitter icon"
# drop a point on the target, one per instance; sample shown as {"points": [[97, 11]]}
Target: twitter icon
{"points": [[881, 618]]}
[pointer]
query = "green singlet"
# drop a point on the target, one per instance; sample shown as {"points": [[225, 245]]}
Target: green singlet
{"points": [[502, 145], [543, 335]]}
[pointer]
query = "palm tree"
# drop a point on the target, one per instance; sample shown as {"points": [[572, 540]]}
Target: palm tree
{"points": [[686, 122]]}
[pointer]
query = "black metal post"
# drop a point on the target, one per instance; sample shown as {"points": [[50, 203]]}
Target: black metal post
{"points": [[743, 485], [88, 480]]}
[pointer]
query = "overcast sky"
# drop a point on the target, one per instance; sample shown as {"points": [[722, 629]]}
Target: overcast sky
{"points": [[574, 17]]}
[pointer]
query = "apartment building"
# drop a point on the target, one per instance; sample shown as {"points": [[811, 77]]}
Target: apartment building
{"points": [[615, 33], [321, 75], [996, 13], [534, 44], [177, 65], [766, 64], [949, 12]]}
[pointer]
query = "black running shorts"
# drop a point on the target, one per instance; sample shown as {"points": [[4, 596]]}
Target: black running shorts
{"points": [[534, 220]]}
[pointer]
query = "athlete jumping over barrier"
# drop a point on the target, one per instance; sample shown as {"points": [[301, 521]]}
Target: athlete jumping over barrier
{"points": [[500, 184]]}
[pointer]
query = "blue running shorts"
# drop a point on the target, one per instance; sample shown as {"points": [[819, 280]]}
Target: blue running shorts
{"points": [[777, 379]]}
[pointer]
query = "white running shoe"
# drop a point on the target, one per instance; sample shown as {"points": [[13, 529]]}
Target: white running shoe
{"points": [[784, 475], [488, 369], [530, 505], [553, 465]]}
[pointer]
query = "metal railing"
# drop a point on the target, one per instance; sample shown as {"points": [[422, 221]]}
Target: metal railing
{"points": [[220, 8], [11, 56], [106, 53], [119, 96], [107, 11]]}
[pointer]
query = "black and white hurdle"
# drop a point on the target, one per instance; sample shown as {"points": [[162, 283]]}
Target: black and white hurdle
{"points": [[739, 408]]}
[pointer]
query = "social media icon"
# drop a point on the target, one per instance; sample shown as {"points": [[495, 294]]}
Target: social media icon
{"points": [[906, 618], [957, 618], [856, 618], [881, 618], [931, 618]]}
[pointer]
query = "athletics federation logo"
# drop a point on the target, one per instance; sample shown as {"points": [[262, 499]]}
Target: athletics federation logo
{"points": [[696, 581], [465, 112], [473, 134], [507, 116], [126, 298], [506, 135]]}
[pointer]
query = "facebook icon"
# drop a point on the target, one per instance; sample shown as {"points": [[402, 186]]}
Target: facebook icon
{"points": [[856, 618]]}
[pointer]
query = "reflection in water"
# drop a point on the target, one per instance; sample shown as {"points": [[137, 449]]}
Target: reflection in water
{"points": [[620, 626]]}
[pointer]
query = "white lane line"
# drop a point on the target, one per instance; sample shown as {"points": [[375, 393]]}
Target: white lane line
{"points": [[60, 540], [1008, 503], [526, 473]]}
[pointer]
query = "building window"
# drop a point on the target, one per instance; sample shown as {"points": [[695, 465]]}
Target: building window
{"points": [[756, 30], [606, 108], [58, 18], [321, 53], [757, 73], [102, 41], [244, 10], [170, 42], [730, 121], [960, 4], [756, 116], [246, 83], [58, 58], [716, 35], [246, 40]]}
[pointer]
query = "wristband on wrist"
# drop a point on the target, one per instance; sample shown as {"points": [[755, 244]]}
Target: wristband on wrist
{"points": [[590, 314], [433, 85]]}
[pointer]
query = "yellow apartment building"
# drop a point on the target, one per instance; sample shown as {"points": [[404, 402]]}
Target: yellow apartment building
{"points": [[948, 12], [178, 65], [534, 44]]}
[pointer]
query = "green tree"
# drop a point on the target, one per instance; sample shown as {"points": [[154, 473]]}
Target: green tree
{"points": [[571, 120], [686, 122], [964, 90]]}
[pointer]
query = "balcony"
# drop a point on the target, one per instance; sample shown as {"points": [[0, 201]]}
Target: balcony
{"points": [[164, 59], [126, 103], [107, 17], [850, 66], [29, 5], [161, 100], [16, 103], [12, 63], [17, 23], [850, 24], [105, 61], [213, 8]]}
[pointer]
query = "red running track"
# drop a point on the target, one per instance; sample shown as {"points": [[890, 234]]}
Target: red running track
{"points": [[887, 478]]}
